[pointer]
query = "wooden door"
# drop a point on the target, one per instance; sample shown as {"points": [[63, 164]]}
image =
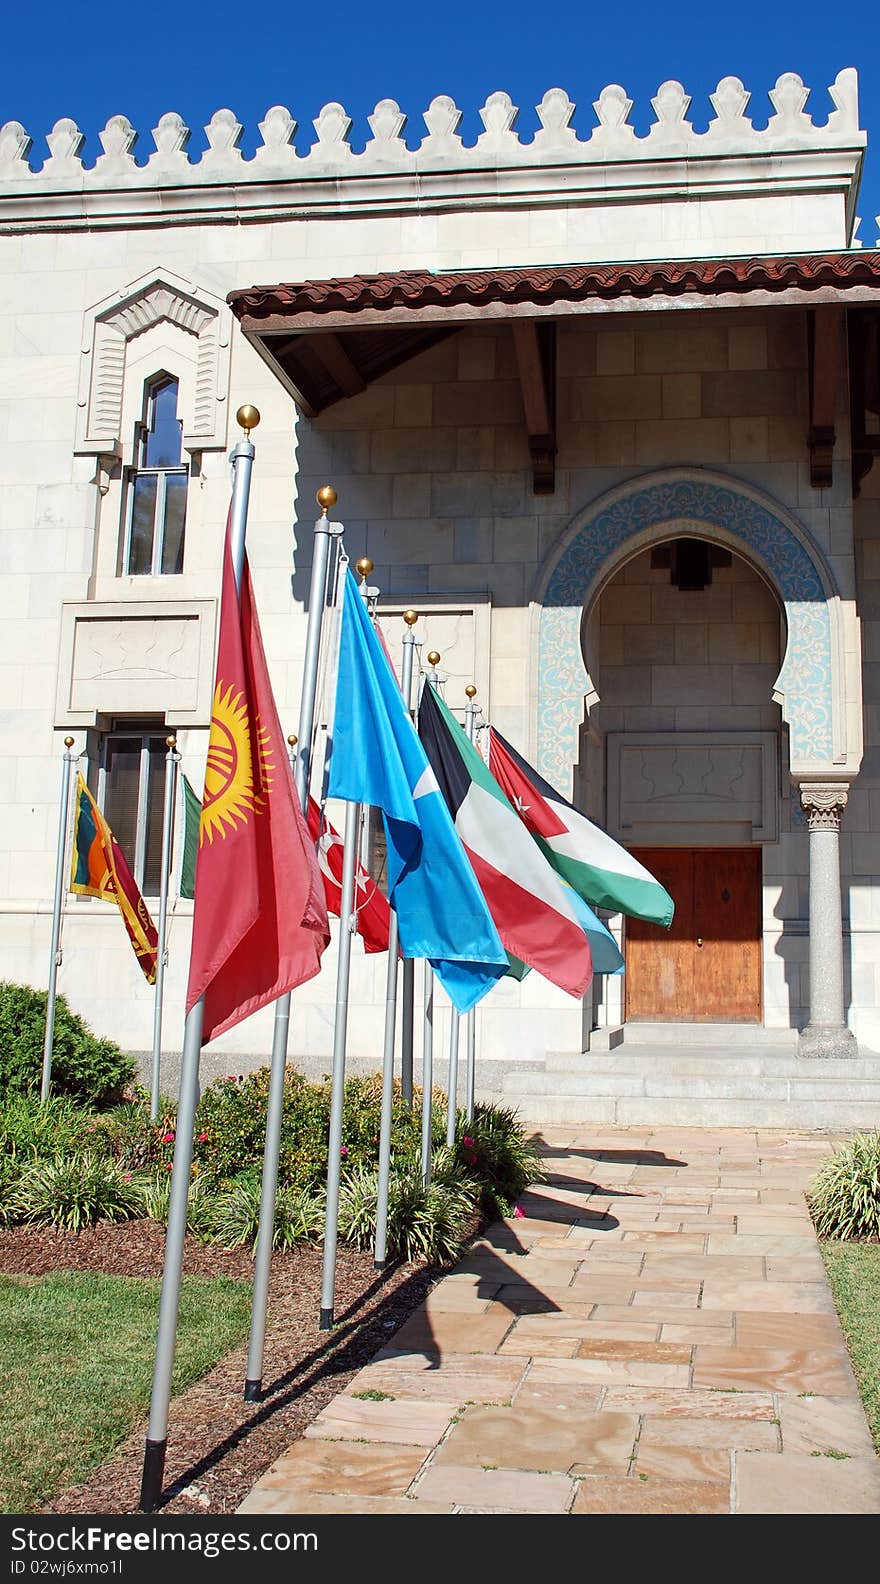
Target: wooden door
{"points": [[707, 967]]}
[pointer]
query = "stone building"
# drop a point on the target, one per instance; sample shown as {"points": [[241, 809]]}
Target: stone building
{"points": [[633, 501]]}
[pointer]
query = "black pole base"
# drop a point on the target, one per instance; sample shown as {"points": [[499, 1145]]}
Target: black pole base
{"points": [[253, 1390], [153, 1475], [379, 1264], [326, 1321]]}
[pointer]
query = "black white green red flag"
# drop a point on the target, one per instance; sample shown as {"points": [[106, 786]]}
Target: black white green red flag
{"points": [[532, 914], [591, 861]]}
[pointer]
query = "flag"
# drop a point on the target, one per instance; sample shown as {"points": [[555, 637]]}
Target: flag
{"points": [[376, 758], [371, 907], [532, 913], [192, 812], [99, 869], [596, 866], [259, 924]]}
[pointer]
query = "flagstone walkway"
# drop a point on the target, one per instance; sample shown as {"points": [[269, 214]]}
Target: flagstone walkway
{"points": [[655, 1335]]}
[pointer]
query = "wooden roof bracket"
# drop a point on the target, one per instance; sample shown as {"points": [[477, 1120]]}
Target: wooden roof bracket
{"points": [[535, 346], [825, 337], [864, 385]]}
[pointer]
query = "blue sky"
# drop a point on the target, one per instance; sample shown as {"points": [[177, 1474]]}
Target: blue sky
{"points": [[97, 60]]}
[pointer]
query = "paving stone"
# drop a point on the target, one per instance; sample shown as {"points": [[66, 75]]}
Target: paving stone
{"points": [[781, 1297], [814, 1423], [771, 1245], [614, 1348], [684, 1462], [546, 1347], [699, 1267], [297, 1501], [790, 1369], [663, 1313], [613, 1371], [694, 1404], [449, 1332], [763, 1328], [722, 1335], [793, 1482], [398, 1422], [494, 1490], [671, 1297], [563, 1396], [343, 1467], [545, 1439], [752, 1435], [651, 1495], [798, 1267]]}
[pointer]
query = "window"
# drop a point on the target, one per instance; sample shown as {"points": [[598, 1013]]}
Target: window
{"points": [[131, 790], [157, 485]]}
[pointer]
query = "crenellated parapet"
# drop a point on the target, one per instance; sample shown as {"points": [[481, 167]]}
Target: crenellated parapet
{"points": [[440, 161]]}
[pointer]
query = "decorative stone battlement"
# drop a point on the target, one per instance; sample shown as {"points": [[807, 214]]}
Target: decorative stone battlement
{"points": [[107, 189]]}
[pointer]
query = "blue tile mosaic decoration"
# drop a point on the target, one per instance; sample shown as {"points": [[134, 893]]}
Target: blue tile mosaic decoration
{"points": [[805, 678]]}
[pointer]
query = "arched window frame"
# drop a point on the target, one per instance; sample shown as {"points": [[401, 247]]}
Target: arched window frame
{"points": [[142, 468]]}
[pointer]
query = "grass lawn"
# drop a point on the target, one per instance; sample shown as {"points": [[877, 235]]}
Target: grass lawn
{"points": [[854, 1273], [76, 1360]]}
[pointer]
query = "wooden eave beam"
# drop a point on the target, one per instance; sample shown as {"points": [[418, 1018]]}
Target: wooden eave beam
{"points": [[826, 334], [535, 347], [330, 352]]}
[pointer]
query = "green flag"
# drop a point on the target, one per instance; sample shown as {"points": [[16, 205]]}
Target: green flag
{"points": [[192, 810]]}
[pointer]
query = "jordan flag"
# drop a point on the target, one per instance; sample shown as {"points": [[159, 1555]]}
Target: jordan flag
{"points": [[593, 863], [533, 916], [260, 923], [371, 907]]}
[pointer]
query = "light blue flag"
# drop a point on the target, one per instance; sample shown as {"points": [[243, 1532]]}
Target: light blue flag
{"points": [[376, 758], [604, 950]]}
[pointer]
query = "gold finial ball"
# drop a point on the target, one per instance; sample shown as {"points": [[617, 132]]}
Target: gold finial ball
{"points": [[410, 617], [470, 691], [68, 743], [171, 742], [364, 566], [293, 740], [433, 658], [326, 497], [248, 417]]}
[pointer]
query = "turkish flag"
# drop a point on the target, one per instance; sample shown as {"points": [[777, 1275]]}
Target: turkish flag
{"points": [[371, 907], [260, 923]]}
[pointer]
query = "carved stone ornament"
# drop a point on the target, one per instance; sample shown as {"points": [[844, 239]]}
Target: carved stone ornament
{"points": [[824, 803]]}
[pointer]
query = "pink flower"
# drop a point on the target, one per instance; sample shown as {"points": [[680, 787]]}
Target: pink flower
{"points": [[518, 1211], [169, 1167], [167, 1138], [203, 1138], [467, 1142], [344, 1150]]}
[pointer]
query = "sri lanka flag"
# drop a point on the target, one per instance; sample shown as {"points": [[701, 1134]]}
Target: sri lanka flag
{"points": [[533, 911], [593, 863], [99, 869]]}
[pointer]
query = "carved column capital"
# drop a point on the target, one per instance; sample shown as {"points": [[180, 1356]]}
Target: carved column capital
{"points": [[823, 803]]}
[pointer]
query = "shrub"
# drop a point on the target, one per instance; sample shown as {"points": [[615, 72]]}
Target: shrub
{"points": [[428, 1224], [494, 1149], [31, 1131], [201, 1204], [10, 1179], [299, 1215], [845, 1196], [127, 1133], [74, 1191], [92, 1070]]}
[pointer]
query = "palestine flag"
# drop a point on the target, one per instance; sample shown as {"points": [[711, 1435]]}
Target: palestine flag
{"points": [[596, 866], [532, 914]]}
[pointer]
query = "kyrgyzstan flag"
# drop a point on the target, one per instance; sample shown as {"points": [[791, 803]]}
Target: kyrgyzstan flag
{"points": [[260, 923], [371, 907], [532, 913]]}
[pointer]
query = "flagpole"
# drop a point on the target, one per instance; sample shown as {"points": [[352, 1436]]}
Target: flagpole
{"points": [[55, 951], [428, 1027], [242, 459], [325, 531], [452, 1081], [407, 1009], [172, 760], [470, 1022], [380, 1251], [337, 1079]]}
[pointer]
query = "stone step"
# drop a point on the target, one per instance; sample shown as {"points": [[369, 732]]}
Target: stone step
{"points": [[856, 1115], [696, 1034], [709, 1061], [730, 1086]]}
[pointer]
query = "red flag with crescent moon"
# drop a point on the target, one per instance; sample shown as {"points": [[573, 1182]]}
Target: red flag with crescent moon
{"points": [[371, 906], [260, 923]]}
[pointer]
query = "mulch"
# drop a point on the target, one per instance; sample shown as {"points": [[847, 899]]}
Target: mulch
{"points": [[219, 1445]]}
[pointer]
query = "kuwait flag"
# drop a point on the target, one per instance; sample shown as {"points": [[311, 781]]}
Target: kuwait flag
{"points": [[532, 914], [595, 866]]}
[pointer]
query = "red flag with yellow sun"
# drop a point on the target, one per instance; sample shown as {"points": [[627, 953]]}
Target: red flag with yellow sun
{"points": [[260, 921]]}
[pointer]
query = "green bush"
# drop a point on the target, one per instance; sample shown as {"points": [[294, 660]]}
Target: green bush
{"points": [[201, 1204], [84, 1067], [74, 1191], [31, 1131], [845, 1195], [127, 1133], [494, 1149], [428, 1224], [10, 1179], [299, 1215]]}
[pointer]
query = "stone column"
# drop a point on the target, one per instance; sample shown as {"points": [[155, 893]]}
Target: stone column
{"points": [[826, 1034]]}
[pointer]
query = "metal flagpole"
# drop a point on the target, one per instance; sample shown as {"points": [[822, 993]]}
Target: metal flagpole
{"points": [[324, 532], [157, 1428], [452, 1082], [55, 951], [380, 1252], [407, 1018], [172, 760], [428, 1034], [470, 1022]]}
